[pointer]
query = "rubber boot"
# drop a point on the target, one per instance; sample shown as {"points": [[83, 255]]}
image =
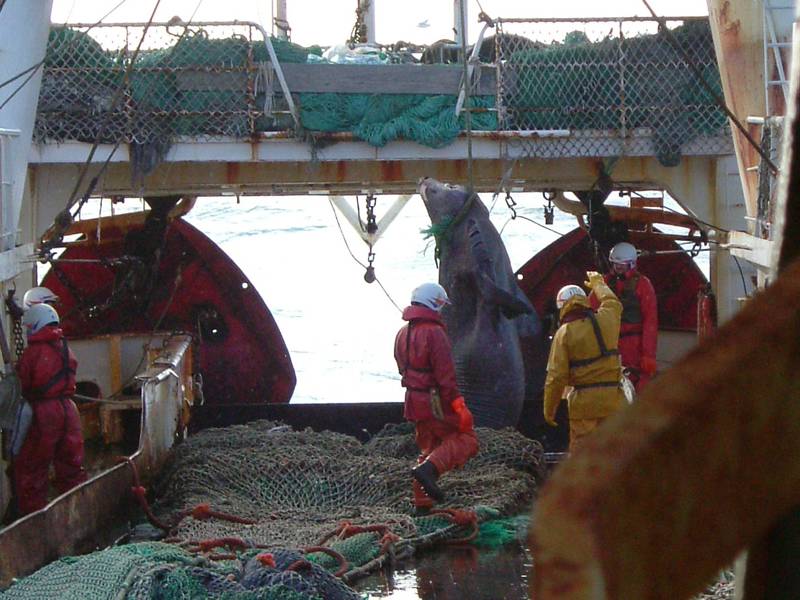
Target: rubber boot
{"points": [[427, 475]]}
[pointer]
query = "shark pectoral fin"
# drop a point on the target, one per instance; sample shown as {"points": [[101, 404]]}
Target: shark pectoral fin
{"points": [[509, 305]]}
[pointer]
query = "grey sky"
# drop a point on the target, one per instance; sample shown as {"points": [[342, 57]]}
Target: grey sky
{"points": [[330, 22]]}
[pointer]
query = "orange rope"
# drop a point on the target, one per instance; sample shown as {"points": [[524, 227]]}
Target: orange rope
{"points": [[460, 517], [343, 566]]}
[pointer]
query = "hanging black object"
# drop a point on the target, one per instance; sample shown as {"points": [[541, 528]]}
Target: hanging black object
{"points": [[372, 225], [369, 275], [549, 213]]}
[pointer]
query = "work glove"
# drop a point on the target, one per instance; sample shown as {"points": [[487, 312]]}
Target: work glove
{"points": [[594, 279], [550, 421], [648, 365], [465, 423]]}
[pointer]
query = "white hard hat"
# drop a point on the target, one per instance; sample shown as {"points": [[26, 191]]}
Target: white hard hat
{"points": [[567, 292], [431, 295], [623, 253], [39, 316], [38, 295]]}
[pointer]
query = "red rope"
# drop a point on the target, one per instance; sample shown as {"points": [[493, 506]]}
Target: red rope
{"points": [[267, 559], [201, 512], [140, 493], [345, 530], [224, 542], [387, 541], [343, 566], [463, 518], [300, 563]]}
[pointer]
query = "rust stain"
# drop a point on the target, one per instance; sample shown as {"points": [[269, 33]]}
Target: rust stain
{"points": [[232, 172], [725, 20], [341, 170], [391, 170]]}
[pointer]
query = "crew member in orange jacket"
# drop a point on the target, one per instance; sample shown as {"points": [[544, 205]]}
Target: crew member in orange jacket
{"points": [[444, 428], [47, 376], [638, 336]]}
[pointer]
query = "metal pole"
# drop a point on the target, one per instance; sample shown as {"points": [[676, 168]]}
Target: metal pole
{"points": [[368, 17], [280, 21], [460, 23], [467, 114]]}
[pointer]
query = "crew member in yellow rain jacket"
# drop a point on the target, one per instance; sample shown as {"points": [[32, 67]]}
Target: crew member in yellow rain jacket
{"points": [[584, 356]]}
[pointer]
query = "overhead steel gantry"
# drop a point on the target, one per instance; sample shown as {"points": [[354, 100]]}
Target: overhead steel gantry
{"points": [[561, 140]]}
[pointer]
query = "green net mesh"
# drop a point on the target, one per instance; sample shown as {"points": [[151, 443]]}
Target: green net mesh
{"points": [[613, 88], [379, 119], [263, 511], [204, 85], [618, 77]]}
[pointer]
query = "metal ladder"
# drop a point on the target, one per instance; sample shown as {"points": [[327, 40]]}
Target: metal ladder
{"points": [[771, 43]]}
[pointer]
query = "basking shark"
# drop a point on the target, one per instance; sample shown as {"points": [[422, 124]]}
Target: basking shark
{"points": [[489, 312]]}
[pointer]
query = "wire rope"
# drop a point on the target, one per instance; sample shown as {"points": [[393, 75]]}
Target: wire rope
{"points": [[353, 256]]}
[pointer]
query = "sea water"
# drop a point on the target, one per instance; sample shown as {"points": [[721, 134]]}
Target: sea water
{"points": [[308, 264], [338, 328]]}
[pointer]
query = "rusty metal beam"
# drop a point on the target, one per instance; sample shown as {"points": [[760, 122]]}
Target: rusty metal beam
{"points": [[670, 490], [737, 29], [388, 176]]}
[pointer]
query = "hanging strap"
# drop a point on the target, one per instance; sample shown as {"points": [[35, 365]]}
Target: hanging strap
{"points": [[408, 366], [604, 351], [63, 373]]}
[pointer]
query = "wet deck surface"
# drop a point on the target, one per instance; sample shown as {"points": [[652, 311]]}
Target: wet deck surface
{"points": [[454, 574]]}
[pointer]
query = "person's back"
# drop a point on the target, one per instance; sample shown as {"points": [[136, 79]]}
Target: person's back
{"points": [[47, 366], [47, 377], [584, 356], [444, 428]]}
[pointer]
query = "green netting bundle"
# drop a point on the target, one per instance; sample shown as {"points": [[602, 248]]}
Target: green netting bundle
{"points": [[271, 496], [71, 49], [184, 79], [285, 51], [381, 118], [637, 82], [499, 532], [158, 571]]}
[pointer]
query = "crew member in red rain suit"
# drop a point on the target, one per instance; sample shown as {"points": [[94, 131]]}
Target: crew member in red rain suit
{"points": [[47, 375], [638, 334], [444, 428]]}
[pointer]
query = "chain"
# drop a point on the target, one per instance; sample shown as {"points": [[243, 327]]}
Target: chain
{"points": [[511, 203], [372, 229], [549, 210], [18, 339], [359, 33], [372, 225]]}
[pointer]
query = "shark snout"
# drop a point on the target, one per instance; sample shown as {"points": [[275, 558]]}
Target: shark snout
{"points": [[421, 187]]}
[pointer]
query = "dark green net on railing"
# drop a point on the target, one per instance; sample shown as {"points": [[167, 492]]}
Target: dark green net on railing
{"points": [[617, 83], [379, 119], [612, 88]]}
